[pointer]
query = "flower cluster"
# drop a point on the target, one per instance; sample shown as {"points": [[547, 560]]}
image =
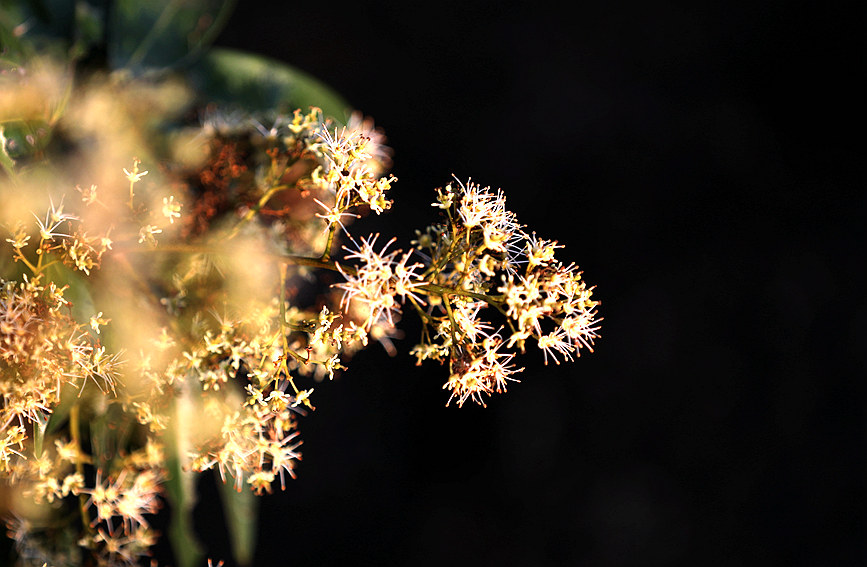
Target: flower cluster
{"points": [[380, 279], [116, 509], [228, 281], [243, 370], [122, 533], [548, 291], [478, 368], [42, 349], [482, 257], [256, 440], [53, 367], [353, 170], [77, 250]]}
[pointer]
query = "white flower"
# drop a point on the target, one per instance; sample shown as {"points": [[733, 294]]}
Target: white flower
{"points": [[135, 175], [171, 209], [556, 342], [332, 216], [53, 219]]}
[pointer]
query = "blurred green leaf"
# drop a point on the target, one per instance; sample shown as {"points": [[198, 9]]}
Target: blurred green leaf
{"points": [[60, 414], [6, 161], [89, 28], [65, 29], [240, 510], [78, 294], [163, 33], [23, 139], [46, 18], [39, 433], [181, 492], [258, 83], [11, 47], [81, 300]]}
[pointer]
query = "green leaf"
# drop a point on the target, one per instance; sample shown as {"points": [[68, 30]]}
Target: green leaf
{"points": [[240, 510], [89, 29], [47, 18], [60, 414], [78, 294], [181, 493], [39, 434], [258, 83], [163, 33], [11, 48], [6, 161], [181, 490], [41, 27]]}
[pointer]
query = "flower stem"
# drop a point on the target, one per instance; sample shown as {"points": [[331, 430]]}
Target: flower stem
{"points": [[255, 209], [326, 256], [333, 265]]}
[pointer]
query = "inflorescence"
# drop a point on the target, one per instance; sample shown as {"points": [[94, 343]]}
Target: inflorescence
{"points": [[195, 290]]}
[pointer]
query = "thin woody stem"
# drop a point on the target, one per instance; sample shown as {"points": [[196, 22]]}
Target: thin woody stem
{"points": [[27, 262], [452, 323], [333, 265], [422, 315], [255, 209], [443, 290], [326, 256], [285, 341]]}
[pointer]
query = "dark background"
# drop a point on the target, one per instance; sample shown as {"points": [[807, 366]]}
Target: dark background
{"points": [[703, 166]]}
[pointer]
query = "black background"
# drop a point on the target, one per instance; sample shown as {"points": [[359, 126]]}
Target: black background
{"points": [[703, 166]]}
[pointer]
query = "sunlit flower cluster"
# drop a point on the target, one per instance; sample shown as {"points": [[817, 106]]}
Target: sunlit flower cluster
{"points": [[256, 444], [50, 476], [349, 174], [482, 257], [173, 316], [119, 507], [42, 349], [479, 368], [552, 292], [75, 248], [121, 503], [246, 368]]}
